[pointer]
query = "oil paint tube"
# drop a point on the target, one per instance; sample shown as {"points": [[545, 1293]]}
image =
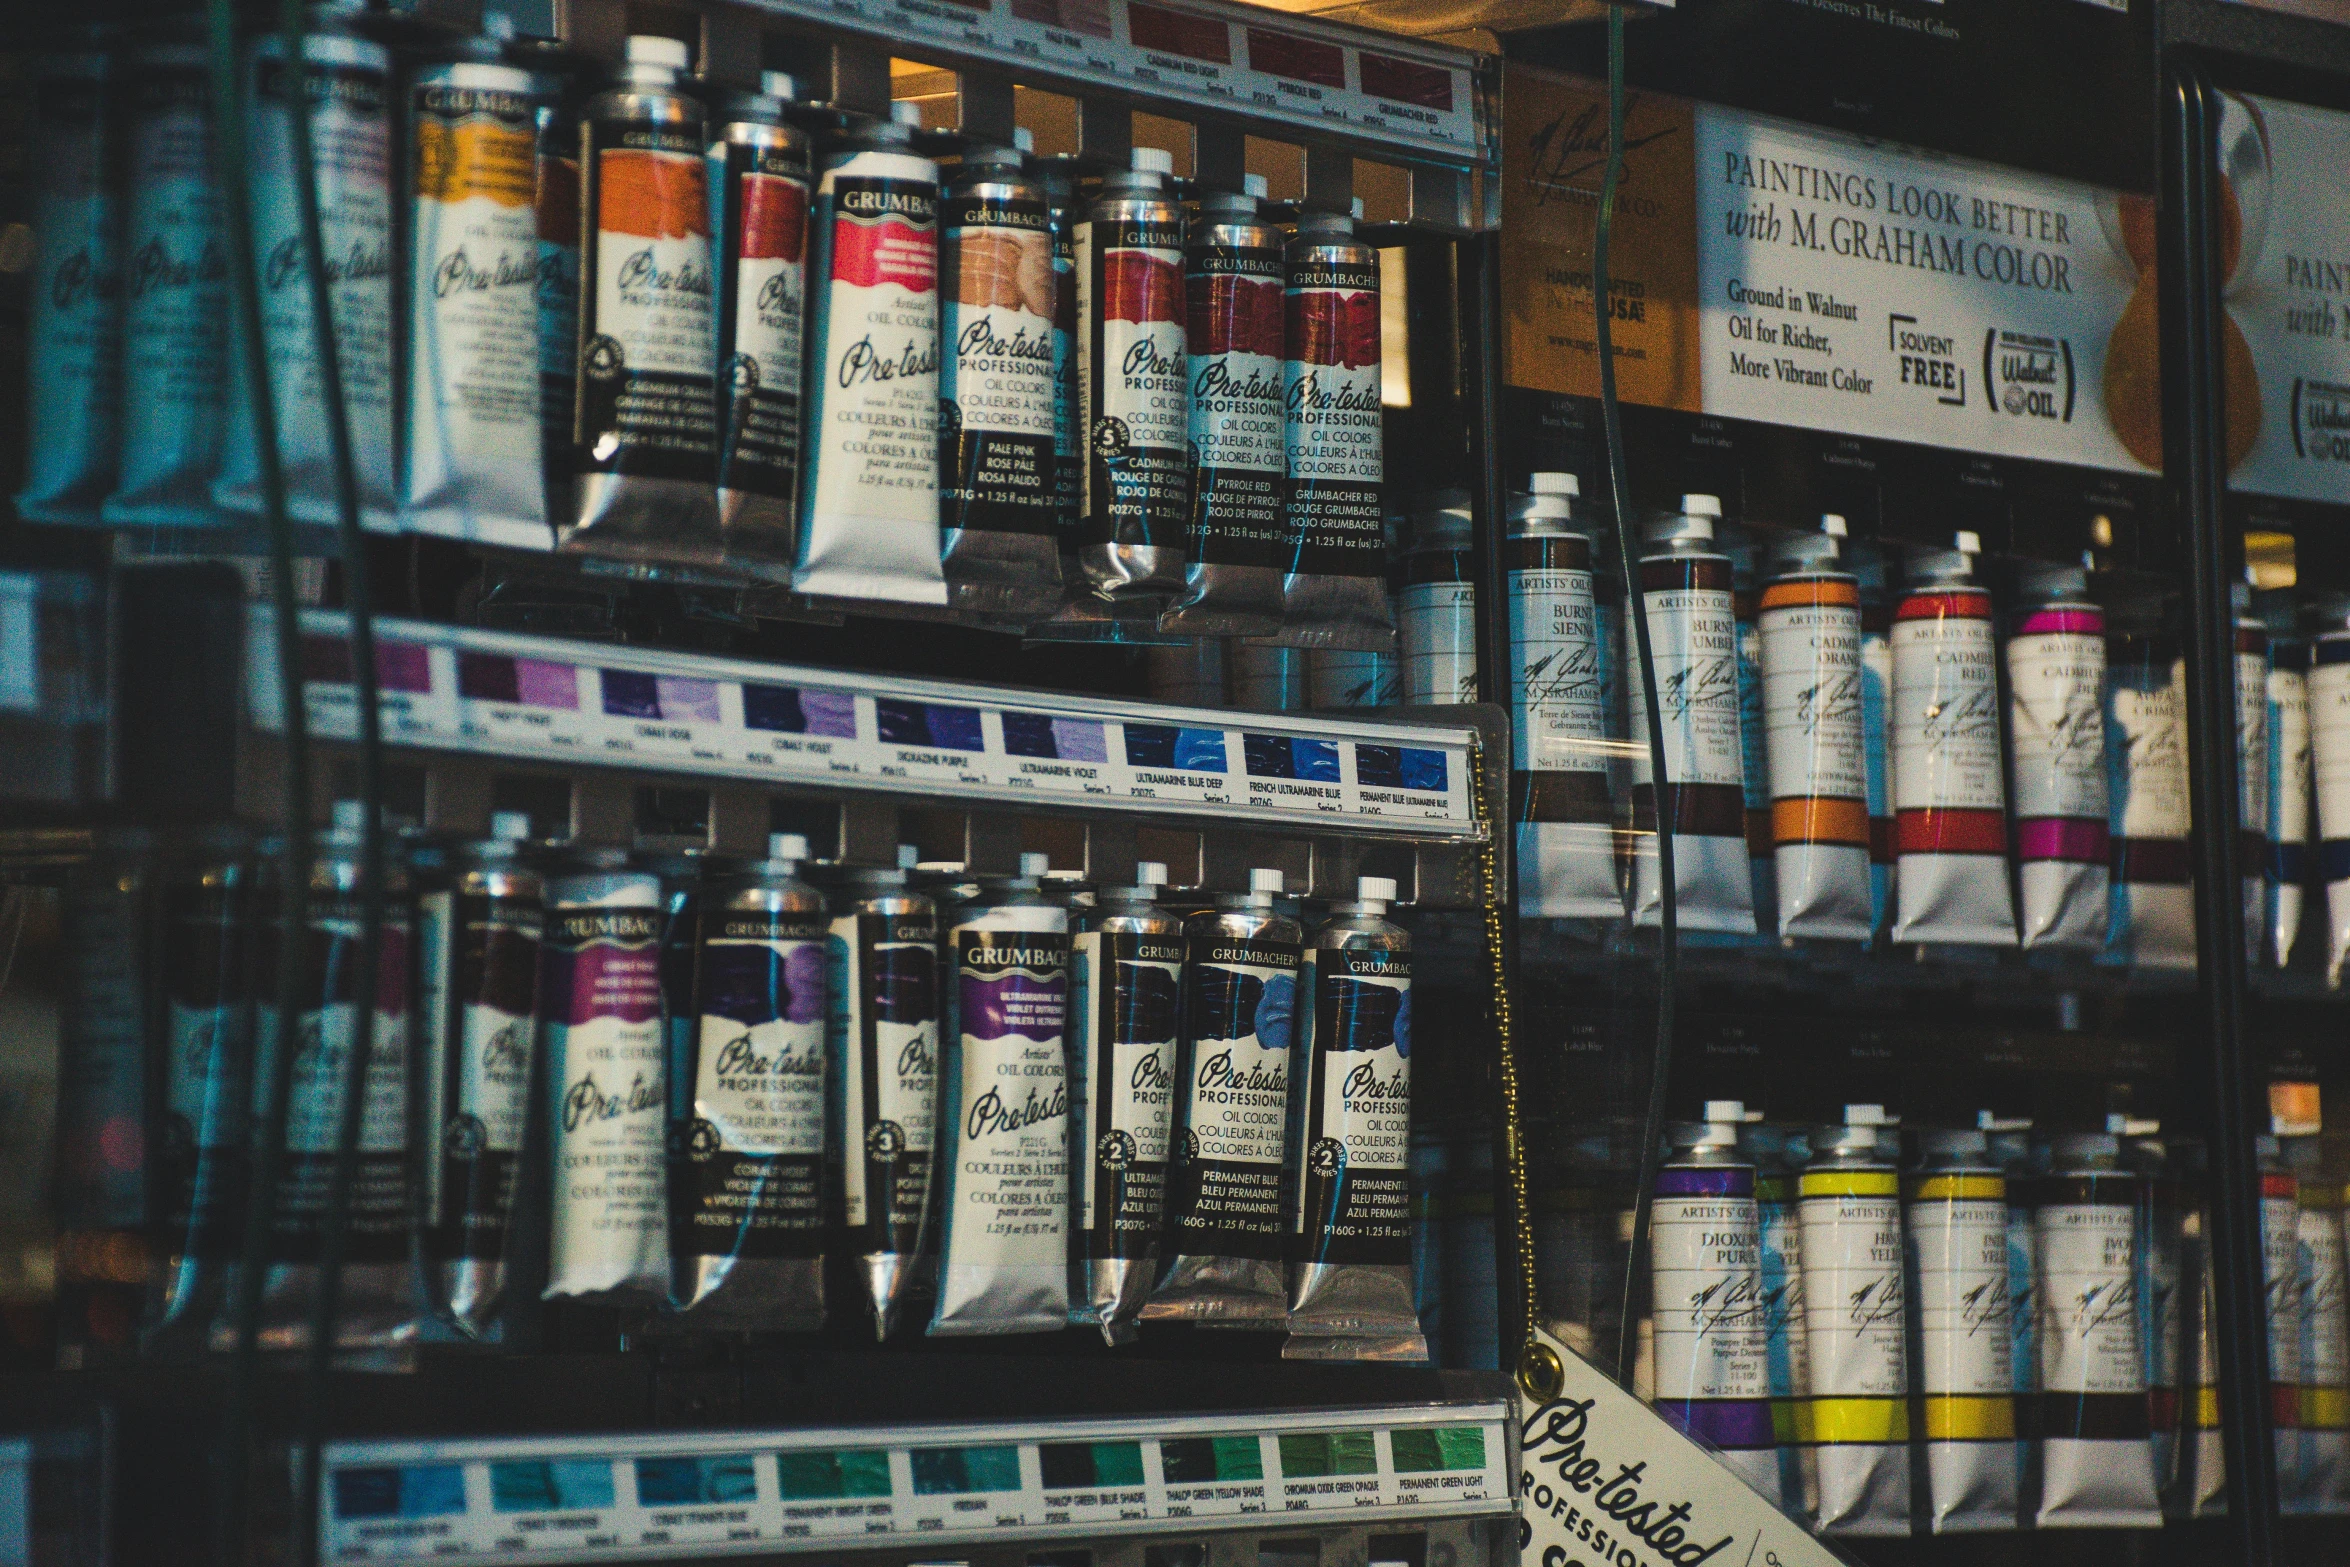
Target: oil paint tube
{"points": [[2288, 854], [1436, 604], [1949, 794], [1335, 592], [1126, 984], [884, 1027], [2252, 775], [2152, 922], [1231, 1150], [1966, 1374], [1004, 1236], [600, 995], [1754, 741], [1693, 637], [1713, 1373], [560, 238], [1350, 1286], [2056, 737], [175, 313], [869, 466], [1856, 1315], [1337, 677], [74, 373], [344, 82], [2329, 758], [647, 431], [474, 457], [2097, 1465], [2011, 1150], [1817, 764], [1232, 284], [2160, 1325], [478, 948], [747, 1196], [2203, 1457], [1559, 699], [2280, 1265], [1876, 698], [2323, 1479], [1779, 1155], [1267, 678]]}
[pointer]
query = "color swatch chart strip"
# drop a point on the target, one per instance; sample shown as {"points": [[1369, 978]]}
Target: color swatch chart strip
{"points": [[578, 1499], [539, 699]]}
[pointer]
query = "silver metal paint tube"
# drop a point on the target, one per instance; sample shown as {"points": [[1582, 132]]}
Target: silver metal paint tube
{"points": [[1713, 1372], [884, 1025], [478, 949], [2160, 1323], [1232, 285], [747, 1197], [1753, 742], [1958, 1257], [2329, 752], [474, 458], [346, 80], [1335, 592], [2289, 812], [646, 433], [379, 1294], [2280, 1258], [759, 175], [1685, 589], [1856, 1314], [1190, 674], [2011, 1150], [1816, 781], [2324, 1470], [1126, 986], [1949, 794], [1337, 677], [74, 363], [869, 462], [175, 317], [1560, 698], [1134, 397], [1350, 1291], [601, 1026], [2056, 734], [1778, 1155], [1230, 1156], [1004, 1233], [2152, 923], [560, 240], [1436, 606], [1876, 713], [2252, 778], [997, 401], [1267, 678], [2098, 1467]]}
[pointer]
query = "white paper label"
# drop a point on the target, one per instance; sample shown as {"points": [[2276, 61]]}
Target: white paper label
{"points": [[2280, 1261], [1946, 716], [2149, 739], [2089, 1299], [175, 290], [873, 432], [1437, 624], [2288, 727], [1854, 1307], [2325, 1360], [1558, 694], [1693, 638], [1781, 1258], [2252, 744], [1811, 689], [1712, 1338], [1011, 1177], [2056, 724], [2329, 739], [605, 1057], [1965, 1337]]}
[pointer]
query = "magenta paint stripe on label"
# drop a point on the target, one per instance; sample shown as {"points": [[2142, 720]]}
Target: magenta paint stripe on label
{"points": [[403, 666], [2062, 838], [2041, 622], [542, 683]]}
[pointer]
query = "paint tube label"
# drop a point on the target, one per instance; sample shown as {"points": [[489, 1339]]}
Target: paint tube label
{"points": [[1558, 684], [1811, 698], [2089, 1299], [753, 1166], [76, 288], [1948, 792], [765, 319], [885, 1005], [2055, 676], [558, 223], [648, 348], [1011, 1179], [1226, 1192], [1437, 624], [208, 1020], [1856, 1311], [474, 383], [602, 999], [1336, 436], [2325, 1347], [2149, 746], [1712, 1339], [2329, 748], [2280, 1260], [2252, 749], [1131, 374], [1753, 733], [1126, 987], [2288, 803], [1355, 1144], [480, 1078], [2159, 1282], [2023, 1296], [995, 394], [1958, 1230], [1068, 454], [1342, 678], [1876, 707], [1234, 295], [1693, 639]]}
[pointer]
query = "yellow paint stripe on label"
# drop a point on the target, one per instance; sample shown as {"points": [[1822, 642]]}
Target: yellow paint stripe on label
{"points": [[2207, 1408], [1839, 1420], [1851, 1183], [1958, 1188], [1969, 1417], [2325, 1408]]}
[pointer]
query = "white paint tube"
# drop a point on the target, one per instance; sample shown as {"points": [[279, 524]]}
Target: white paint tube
{"points": [[1345, 677], [1816, 736], [647, 430], [1004, 1210], [1266, 678], [175, 313], [2280, 1261], [2098, 1467], [2011, 1151], [2056, 734], [2152, 922], [1693, 636], [1856, 1315], [2252, 776], [1230, 1154], [1436, 605], [747, 1195], [1754, 743], [1560, 699], [1350, 1289], [74, 368], [2160, 1325], [600, 1000], [1778, 1157], [2288, 794], [346, 87], [1876, 714], [474, 457], [869, 462], [1966, 1374], [1335, 593], [2324, 1470], [1949, 790], [2329, 753]]}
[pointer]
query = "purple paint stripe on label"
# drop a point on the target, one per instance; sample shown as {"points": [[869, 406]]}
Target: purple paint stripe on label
{"points": [[2062, 838], [1724, 1422], [403, 666], [2041, 622], [539, 683], [1014, 1003], [1680, 1182], [1080, 740], [688, 701], [832, 713]]}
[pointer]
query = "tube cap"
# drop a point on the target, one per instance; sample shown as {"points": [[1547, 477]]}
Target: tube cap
{"points": [[1375, 889], [1553, 484], [778, 84], [350, 816], [908, 856], [906, 112], [1150, 873], [1866, 1115], [1152, 160], [1967, 542], [1730, 1110], [1265, 879], [1833, 526], [1036, 866], [1255, 185], [786, 846], [655, 49], [510, 826], [1023, 139], [1354, 209]]}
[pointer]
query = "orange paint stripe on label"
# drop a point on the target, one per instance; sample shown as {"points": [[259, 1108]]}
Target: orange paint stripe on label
{"points": [[653, 195], [1810, 590], [476, 158], [1819, 820]]}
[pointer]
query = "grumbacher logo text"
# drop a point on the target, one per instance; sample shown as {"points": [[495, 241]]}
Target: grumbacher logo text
{"points": [[867, 203], [604, 925], [1559, 1468]]}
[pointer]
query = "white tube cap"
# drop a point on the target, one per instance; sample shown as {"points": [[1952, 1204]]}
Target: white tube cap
{"points": [[1967, 542], [654, 49], [1866, 1115], [1255, 185], [1833, 526], [1023, 139], [1701, 505], [786, 846], [1153, 160], [1265, 879], [1035, 866], [510, 826], [778, 84], [1553, 484], [1150, 873], [1355, 209], [1375, 889], [906, 112], [1725, 1110], [350, 816], [908, 856]]}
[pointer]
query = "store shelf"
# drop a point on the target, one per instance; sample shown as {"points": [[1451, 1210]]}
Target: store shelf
{"points": [[762, 1492]]}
